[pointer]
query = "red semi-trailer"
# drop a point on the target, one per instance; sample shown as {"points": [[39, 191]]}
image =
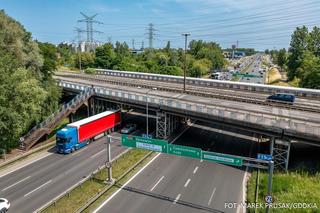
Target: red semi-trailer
{"points": [[78, 134]]}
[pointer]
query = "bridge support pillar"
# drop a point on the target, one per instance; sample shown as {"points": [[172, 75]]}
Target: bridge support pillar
{"points": [[71, 118], [91, 107], [166, 124], [281, 153]]}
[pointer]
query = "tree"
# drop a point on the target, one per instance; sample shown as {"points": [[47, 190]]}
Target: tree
{"points": [[49, 53], [310, 71], [162, 59], [27, 91], [168, 47], [298, 44], [314, 41], [282, 58], [105, 55], [66, 55]]}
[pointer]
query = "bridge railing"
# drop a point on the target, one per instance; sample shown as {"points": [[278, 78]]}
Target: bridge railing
{"points": [[301, 92], [281, 122]]}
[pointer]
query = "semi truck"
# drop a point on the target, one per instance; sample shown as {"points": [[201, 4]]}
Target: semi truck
{"points": [[78, 134]]}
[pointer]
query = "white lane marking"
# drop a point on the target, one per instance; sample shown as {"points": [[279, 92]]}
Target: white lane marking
{"points": [[156, 184], [135, 175], [195, 170], [244, 183], [79, 151], [114, 194], [76, 184], [177, 198], [38, 188], [188, 181], [15, 183], [214, 190], [98, 153], [49, 153]]}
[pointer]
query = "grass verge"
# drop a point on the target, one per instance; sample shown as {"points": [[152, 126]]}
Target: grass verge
{"points": [[274, 76], [292, 187], [80, 195]]}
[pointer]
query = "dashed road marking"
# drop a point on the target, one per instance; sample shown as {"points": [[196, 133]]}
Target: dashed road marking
{"points": [[188, 181], [195, 170], [177, 198], [38, 188], [156, 184], [15, 183], [214, 190]]}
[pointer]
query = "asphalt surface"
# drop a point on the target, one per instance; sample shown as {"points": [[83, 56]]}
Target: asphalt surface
{"points": [[34, 185], [255, 69], [179, 184]]}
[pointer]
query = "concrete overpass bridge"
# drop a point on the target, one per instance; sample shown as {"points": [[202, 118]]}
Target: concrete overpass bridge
{"points": [[235, 106], [279, 125]]}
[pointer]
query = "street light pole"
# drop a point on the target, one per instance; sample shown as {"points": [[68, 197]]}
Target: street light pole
{"points": [[185, 59]]}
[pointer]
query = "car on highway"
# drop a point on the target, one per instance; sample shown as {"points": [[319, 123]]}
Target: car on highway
{"points": [[287, 98], [4, 205], [129, 128]]}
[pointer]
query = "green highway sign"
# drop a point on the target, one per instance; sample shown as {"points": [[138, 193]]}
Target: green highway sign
{"points": [[145, 143], [157, 145], [185, 151], [221, 158], [245, 75], [151, 144], [126, 141]]}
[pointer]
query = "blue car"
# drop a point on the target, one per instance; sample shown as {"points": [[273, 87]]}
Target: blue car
{"points": [[282, 98]]}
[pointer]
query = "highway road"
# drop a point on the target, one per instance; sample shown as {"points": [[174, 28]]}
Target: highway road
{"points": [[35, 184], [255, 69], [178, 184]]}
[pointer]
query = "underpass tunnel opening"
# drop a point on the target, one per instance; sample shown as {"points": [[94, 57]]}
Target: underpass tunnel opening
{"points": [[216, 138], [304, 157]]}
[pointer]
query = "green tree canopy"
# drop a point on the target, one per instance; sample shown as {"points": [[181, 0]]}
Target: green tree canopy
{"points": [[27, 91]]}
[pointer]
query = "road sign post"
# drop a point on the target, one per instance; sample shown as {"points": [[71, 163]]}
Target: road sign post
{"points": [[221, 158], [109, 163], [270, 168]]}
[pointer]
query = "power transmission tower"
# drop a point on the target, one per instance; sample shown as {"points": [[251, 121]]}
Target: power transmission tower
{"points": [[151, 34], [89, 20], [79, 31], [142, 45]]}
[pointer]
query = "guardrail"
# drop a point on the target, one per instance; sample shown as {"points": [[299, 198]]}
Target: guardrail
{"points": [[307, 93], [79, 184], [287, 124], [104, 190], [198, 91]]}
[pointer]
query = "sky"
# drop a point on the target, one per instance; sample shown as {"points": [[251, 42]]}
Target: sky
{"points": [[259, 24]]}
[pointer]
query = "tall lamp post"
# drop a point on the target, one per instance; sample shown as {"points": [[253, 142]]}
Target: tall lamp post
{"points": [[147, 109], [185, 59]]}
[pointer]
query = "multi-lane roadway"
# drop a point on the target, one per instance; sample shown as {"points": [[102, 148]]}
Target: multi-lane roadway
{"points": [[34, 185], [178, 184]]}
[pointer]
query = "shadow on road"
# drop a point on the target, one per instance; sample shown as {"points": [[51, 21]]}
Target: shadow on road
{"points": [[169, 199]]}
